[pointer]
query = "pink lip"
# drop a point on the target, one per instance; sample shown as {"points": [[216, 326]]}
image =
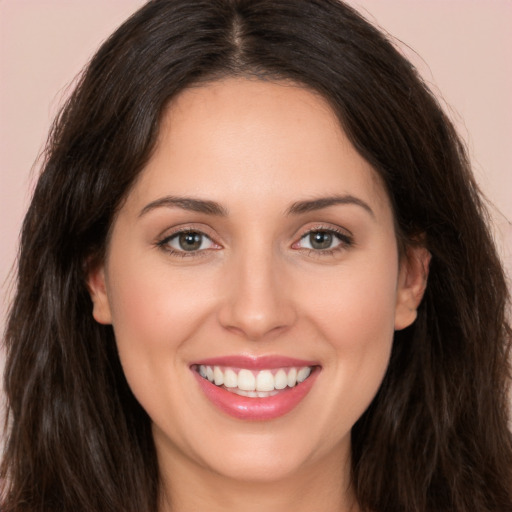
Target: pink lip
{"points": [[256, 363], [256, 409]]}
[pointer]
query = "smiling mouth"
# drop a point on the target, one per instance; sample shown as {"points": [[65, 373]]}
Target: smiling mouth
{"points": [[254, 383]]}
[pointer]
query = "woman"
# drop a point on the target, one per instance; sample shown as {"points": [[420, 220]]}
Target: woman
{"points": [[256, 275]]}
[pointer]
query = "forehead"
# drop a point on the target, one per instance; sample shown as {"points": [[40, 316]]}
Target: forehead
{"points": [[237, 140]]}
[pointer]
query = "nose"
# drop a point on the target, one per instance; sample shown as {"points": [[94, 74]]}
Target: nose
{"points": [[258, 300]]}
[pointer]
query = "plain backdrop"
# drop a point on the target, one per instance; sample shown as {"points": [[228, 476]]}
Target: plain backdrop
{"points": [[461, 47]]}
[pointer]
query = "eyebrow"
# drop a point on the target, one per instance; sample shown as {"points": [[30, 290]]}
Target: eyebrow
{"points": [[186, 203], [301, 207], [214, 208]]}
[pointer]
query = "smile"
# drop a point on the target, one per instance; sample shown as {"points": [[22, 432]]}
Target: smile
{"points": [[253, 383], [255, 389]]}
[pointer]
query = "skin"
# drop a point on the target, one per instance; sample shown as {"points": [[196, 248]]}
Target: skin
{"points": [[255, 287]]}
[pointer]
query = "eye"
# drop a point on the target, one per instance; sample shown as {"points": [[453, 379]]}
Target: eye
{"points": [[323, 240], [187, 241]]}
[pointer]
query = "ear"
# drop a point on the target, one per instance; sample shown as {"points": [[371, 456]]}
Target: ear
{"points": [[412, 282], [98, 291]]}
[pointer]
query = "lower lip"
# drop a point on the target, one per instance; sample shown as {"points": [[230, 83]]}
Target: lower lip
{"points": [[256, 409]]}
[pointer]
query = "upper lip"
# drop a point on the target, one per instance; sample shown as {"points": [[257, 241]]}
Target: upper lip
{"points": [[256, 362]]}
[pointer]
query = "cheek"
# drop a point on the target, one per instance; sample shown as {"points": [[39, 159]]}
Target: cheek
{"points": [[156, 306], [354, 314], [355, 304], [155, 312]]}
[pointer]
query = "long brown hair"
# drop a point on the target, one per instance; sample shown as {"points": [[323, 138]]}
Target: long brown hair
{"points": [[435, 437]]}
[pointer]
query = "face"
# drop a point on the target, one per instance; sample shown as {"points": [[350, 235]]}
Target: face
{"points": [[257, 246]]}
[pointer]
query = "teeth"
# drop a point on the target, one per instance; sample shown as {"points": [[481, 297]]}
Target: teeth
{"points": [[255, 383], [280, 380], [292, 377], [253, 394], [218, 376], [264, 381], [246, 380], [230, 379], [302, 374]]}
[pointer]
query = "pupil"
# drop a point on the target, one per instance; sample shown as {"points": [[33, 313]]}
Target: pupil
{"points": [[190, 241], [320, 240]]}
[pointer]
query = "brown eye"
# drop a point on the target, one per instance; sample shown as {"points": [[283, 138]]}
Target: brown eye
{"points": [[324, 240], [320, 239], [188, 241]]}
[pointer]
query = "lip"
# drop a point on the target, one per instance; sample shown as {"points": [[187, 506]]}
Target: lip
{"points": [[256, 363], [256, 409]]}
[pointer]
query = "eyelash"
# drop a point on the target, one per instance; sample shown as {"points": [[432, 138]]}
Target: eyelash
{"points": [[163, 244], [345, 242]]}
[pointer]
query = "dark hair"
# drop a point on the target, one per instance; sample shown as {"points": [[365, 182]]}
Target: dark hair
{"points": [[435, 437]]}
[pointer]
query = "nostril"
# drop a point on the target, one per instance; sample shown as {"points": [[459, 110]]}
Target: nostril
{"points": [[252, 324]]}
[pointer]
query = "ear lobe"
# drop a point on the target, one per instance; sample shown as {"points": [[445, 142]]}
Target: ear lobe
{"points": [[98, 291], [412, 282]]}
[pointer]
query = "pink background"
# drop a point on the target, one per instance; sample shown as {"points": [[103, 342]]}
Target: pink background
{"points": [[461, 47]]}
